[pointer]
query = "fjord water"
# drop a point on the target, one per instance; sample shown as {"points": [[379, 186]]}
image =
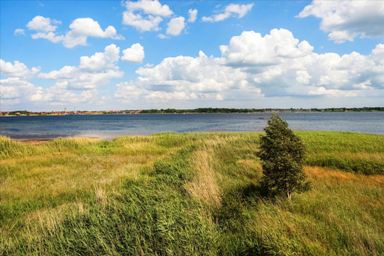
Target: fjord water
{"points": [[110, 126]]}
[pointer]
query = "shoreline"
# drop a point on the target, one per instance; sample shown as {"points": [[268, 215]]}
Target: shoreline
{"points": [[44, 139]]}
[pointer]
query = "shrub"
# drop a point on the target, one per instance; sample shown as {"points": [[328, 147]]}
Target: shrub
{"points": [[282, 155]]}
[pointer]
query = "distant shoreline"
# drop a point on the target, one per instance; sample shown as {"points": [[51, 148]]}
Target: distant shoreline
{"points": [[189, 111]]}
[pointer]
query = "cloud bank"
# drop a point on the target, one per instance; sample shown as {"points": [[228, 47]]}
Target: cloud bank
{"points": [[273, 65], [71, 84], [344, 20], [250, 66]]}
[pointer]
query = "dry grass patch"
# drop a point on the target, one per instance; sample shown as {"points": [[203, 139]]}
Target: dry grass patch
{"points": [[203, 186], [50, 218], [332, 174]]}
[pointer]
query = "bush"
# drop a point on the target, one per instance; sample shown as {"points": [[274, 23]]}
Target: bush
{"points": [[282, 155]]}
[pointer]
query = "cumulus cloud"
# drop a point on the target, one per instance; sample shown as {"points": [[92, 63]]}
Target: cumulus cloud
{"points": [[43, 24], [254, 65], [145, 15], [150, 7], [71, 84], [60, 95], [92, 72], [82, 28], [101, 60], [16, 69], [280, 64], [251, 48], [345, 20], [79, 31], [50, 36], [14, 84], [231, 10], [184, 78], [16, 87], [192, 15], [134, 54], [202, 73], [45, 28], [175, 26]]}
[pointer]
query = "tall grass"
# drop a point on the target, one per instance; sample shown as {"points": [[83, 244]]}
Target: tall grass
{"points": [[360, 153], [188, 194]]}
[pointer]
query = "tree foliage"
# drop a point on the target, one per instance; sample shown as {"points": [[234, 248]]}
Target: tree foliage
{"points": [[282, 155]]}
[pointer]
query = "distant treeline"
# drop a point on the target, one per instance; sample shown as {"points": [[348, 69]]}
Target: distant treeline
{"points": [[253, 110], [189, 111]]}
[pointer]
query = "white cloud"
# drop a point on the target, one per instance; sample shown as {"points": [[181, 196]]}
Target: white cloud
{"points": [[45, 28], [303, 77], [59, 95], [92, 72], [43, 24], [202, 73], [345, 20], [19, 32], [145, 15], [150, 23], [50, 36], [16, 69], [14, 86], [80, 30], [192, 15], [282, 65], [251, 48], [253, 66], [175, 26], [184, 78], [101, 60], [134, 54], [322, 91], [150, 7], [231, 10], [71, 84]]}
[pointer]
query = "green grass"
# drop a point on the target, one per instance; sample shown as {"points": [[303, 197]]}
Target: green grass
{"points": [[359, 153], [188, 194]]}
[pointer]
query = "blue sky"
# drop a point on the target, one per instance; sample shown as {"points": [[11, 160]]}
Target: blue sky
{"points": [[274, 54]]}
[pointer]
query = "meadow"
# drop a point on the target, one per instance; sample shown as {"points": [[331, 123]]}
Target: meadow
{"points": [[188, 194]]}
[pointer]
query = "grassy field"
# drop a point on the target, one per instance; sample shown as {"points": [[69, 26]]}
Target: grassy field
{"points": [[188, 194]]}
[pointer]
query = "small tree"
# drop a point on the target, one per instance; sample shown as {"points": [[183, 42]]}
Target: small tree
{"points": [[282, 154]]}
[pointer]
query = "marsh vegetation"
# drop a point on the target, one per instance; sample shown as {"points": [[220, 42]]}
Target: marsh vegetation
{"points": [[188, 194]]}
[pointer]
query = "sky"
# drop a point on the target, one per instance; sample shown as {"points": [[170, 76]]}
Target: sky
{"points": [[142, 54]]}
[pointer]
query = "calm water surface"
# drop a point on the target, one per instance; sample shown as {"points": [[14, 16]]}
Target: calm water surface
{"points": [[110, 126]]}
